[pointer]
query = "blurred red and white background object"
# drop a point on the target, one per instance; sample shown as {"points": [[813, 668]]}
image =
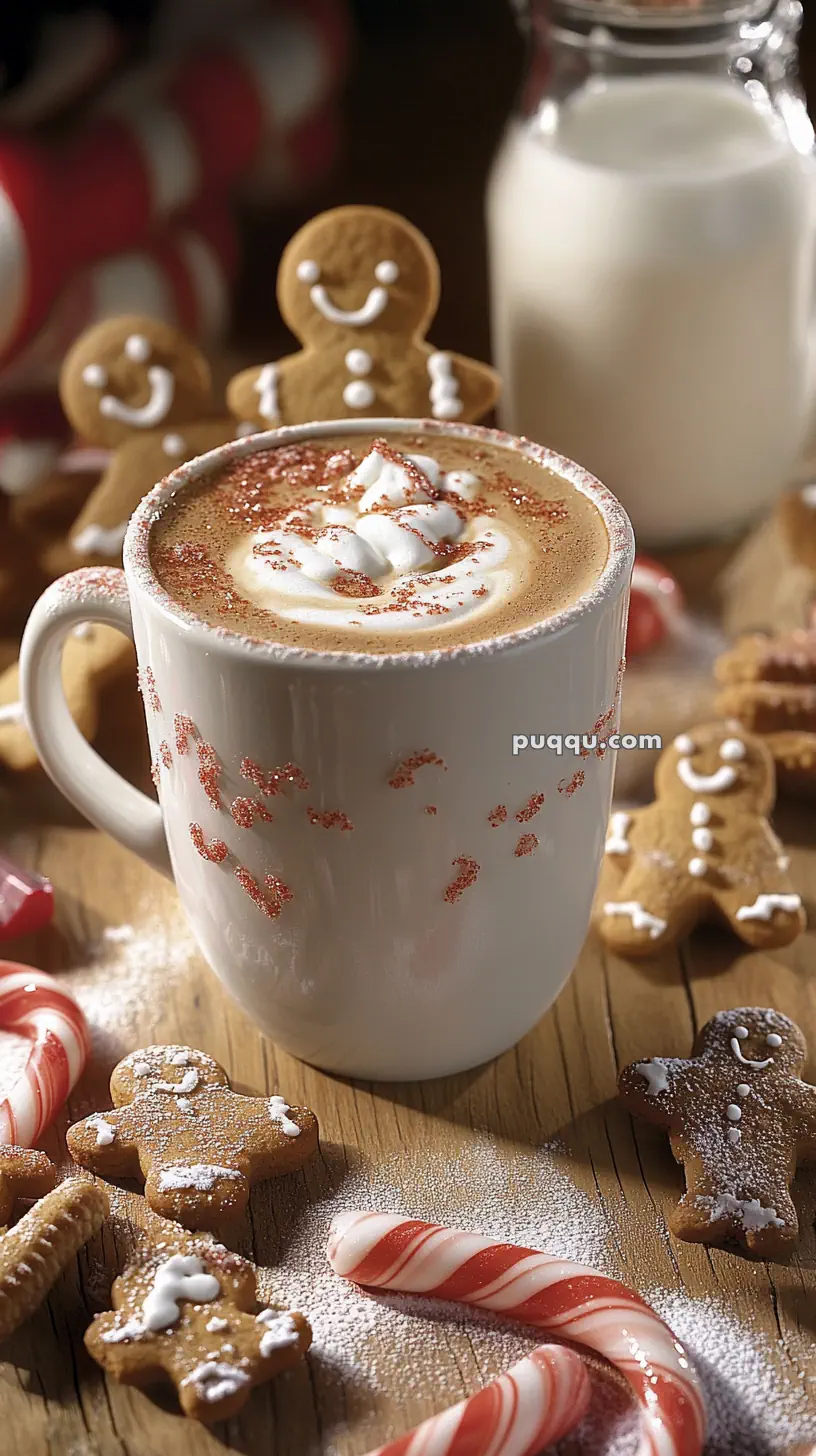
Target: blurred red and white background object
{"points": [[126, 131]]}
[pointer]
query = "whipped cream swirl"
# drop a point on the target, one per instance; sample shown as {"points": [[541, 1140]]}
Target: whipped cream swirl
{"points": [[387, 563]]}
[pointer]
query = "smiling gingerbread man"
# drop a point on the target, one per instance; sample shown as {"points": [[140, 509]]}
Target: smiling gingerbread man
{"points": [[740, 1119], [140, 389], [704, 849], [359, 287]]}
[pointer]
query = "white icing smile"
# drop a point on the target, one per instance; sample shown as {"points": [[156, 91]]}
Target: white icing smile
{"points": [[355, 318], [740, 1033], [145, 416], [716, 783], [308, 271]]}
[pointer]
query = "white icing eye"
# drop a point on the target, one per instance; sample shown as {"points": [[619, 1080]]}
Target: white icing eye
{"points": [[741, 1032], [773, 1039], [386, 271], [137, 348], [95, 376], [732, 750], [684, 744], [308, 271]]}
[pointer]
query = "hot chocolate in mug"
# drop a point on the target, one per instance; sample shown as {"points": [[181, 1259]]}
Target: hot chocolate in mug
{"points": [[434, 929]]}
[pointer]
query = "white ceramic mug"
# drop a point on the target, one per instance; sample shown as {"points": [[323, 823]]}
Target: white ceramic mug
{"points": [[419, 942]]}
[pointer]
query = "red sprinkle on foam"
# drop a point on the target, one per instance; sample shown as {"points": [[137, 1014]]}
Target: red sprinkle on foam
{"points": [[576, 782], [431, 809], [147, 683], [527, 844], [468, 871], [531, 808], [276, 779], [272, 898], [216, 851], [329, 818], [245, 811], [497, 816], [403, 775]]}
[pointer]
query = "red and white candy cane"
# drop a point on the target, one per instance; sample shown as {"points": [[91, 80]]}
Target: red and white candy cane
{"points": [[566, 1299], [536, 1403], [36, 1006]]}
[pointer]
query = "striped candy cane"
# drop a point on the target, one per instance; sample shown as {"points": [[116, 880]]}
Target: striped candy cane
{"points": [[34, 1005], [537, 1402], [566, 1299]]}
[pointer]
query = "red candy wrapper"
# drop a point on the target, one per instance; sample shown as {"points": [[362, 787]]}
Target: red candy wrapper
{"points": [[26, 900]]}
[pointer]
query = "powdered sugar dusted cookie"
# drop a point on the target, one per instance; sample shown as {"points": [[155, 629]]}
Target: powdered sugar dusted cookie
{"points": [[34, 1252], [139, 388], [187, 1312], [740, 1119], [197, 1144], [704, 849], [359, 287]]}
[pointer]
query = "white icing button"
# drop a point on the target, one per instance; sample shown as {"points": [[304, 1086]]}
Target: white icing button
{"points": [[697, 868], [734, 1135], [95, 376], [386, 271], [732, 750], [308, 271], [174, 445], [733, 1113], [743, 1090], [741, 1032], [137, 348], [684, 744], [359, 361], [773, 1039], [700, 814], [358, 394], [702, 839]]}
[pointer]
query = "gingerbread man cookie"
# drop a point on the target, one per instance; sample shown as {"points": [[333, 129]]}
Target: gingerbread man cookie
{"points": [[36, 1250], [188, 1313], [359, 287], [139, 388], [95, 656], [24, 1173], [704, 849], [739, 1119], [769, 685], [197, 1144]]}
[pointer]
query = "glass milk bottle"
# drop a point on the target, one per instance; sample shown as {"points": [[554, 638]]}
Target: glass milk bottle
{"points": [[651, 222]]}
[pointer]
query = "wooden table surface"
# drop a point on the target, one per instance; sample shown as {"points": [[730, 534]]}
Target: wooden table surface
{"points": [[532, 1146]]}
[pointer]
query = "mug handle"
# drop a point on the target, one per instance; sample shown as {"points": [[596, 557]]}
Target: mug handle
{"points": [[96, 594]]}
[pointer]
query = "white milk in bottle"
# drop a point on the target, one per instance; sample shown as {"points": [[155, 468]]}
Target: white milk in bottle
{"points": [[653, 263]]}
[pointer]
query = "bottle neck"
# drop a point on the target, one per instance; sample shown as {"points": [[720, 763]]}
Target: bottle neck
{"points": [[752, 43]]}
